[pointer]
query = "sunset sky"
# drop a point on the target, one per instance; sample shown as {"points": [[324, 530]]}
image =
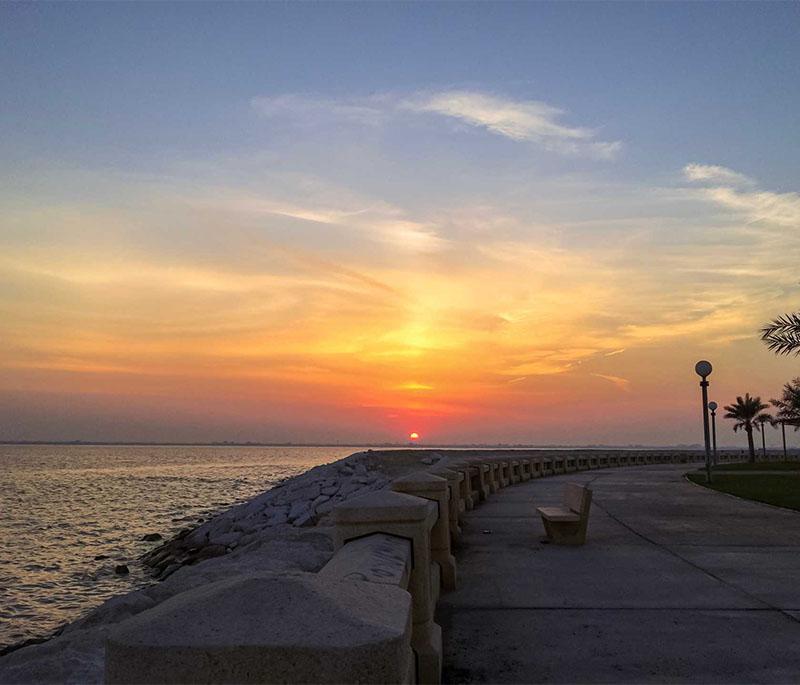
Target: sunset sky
{"points": [[332, 222]]}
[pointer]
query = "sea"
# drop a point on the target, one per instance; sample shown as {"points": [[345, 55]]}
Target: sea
{"points": [[70, 514]]}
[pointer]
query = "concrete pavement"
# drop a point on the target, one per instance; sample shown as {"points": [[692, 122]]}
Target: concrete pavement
{"points": [[675, 584]]}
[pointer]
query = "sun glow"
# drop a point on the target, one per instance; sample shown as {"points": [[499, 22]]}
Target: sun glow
{"points": [[413, 436]]}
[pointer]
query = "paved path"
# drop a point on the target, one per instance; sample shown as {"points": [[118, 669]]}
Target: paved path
{"points": [[675, 584]]}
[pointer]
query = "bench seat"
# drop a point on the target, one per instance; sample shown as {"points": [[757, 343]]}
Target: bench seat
{"points": [[558, 514], [567, 525]]}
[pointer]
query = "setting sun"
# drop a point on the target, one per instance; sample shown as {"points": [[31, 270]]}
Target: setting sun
{"points": [[413, 436]]}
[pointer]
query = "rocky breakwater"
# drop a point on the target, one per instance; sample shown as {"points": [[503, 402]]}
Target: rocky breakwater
{"points": [[299, 502], [280, 531]]}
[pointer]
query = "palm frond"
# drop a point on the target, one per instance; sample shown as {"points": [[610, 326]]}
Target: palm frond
{"points": [[782, 335]]}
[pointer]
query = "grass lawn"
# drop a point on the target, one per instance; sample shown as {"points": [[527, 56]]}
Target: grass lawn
{"points": [[761, 466], [780, 489]]}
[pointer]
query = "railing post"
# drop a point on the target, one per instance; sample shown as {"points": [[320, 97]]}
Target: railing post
{"points": [[412, 518], [429, 486], [453, 479]]}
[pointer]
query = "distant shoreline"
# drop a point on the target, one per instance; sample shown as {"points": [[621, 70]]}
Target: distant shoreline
{"points": [[381, 445]]}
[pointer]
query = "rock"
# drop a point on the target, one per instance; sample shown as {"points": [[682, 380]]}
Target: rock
{"points": [[100, 557], [167, 572], [210, 551], [298, 509], [428, 460], [278, 517], [152, 537], [304, 520], [306, 492], [349, 488], [330, 490], [121, 570], [325, 507], [319, 500], [346, 470], [226, 539]]}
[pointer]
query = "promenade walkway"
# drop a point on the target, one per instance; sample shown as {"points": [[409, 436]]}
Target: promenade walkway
{"points": [[675, 584]]}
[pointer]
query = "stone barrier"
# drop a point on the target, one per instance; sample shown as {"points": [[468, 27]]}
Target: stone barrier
{"points": [[505, 476], [268, 629], [432, 487], [368, 615], [453, 479], [493, 476], [411, 518], [514, 471]]}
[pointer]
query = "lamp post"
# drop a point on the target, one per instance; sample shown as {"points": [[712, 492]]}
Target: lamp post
{"points": [[713, 407], [703, 369], [783, 435]]}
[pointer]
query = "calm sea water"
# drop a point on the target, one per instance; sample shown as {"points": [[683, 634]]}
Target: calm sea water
{"points": [[63, 508]]}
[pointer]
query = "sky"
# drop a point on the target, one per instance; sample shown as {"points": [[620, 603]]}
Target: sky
{"points": [[482, 222]]}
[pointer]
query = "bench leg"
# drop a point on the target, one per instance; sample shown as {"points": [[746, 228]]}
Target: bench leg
{"points": [[560, 533]]}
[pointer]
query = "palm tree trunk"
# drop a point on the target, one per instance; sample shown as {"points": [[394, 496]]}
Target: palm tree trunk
{"points": [[750, 445]]}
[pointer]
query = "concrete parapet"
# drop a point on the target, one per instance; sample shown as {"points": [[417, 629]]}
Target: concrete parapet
{"points": [[505, 476], [377, 558], [559, 465], [492, 477], [479, 477], [453, 479], [266, 628], [433, 487], [412, 518], [465, 486], [486, 471], [514, 471], [525, 469]]}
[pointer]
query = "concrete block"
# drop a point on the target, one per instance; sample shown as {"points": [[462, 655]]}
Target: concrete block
{"points": [[432, 487], [267, 629], [412, 518], [453, 479], [377, 558]]}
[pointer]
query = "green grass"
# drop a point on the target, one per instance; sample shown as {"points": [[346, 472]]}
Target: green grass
{"points": [[780, 489], [761, 466]]}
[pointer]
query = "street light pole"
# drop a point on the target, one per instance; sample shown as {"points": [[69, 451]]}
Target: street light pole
{"points": [[703, 369], [783, 435], [713, 407]]}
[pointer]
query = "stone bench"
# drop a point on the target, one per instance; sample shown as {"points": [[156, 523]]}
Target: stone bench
{"points": [[567, 525]]}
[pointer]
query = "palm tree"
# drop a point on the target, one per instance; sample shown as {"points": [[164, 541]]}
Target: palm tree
{"points": [[789, 405], [782, 335], [748, 414]]}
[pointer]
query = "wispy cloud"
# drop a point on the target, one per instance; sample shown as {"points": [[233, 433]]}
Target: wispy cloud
{"points": [[528, 121], [779, 209], [364, 111], [621, 383], [378, 221], [711, 173], [523, 120]]}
